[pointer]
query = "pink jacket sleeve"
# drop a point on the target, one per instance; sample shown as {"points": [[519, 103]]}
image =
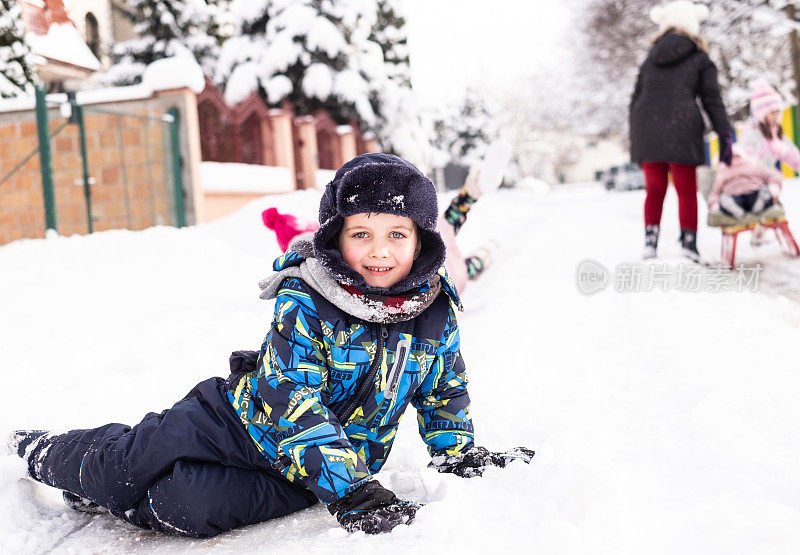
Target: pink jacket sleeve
{"points": [[786, 152], [719, 181], [454, 262], [774, 180]]}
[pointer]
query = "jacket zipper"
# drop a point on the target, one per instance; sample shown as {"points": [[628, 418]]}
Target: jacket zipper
{"points": [[284, 460], [400, 358], [368, 380]]}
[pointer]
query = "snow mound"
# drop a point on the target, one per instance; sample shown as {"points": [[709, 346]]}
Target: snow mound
{"points": [[663, 421], [232, 177], [324, 177], [533, 185], [176, 72]]}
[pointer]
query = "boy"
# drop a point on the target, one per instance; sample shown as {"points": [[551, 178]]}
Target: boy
{"points": [[364, 323]]}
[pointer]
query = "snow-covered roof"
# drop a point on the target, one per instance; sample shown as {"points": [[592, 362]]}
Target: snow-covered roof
{"points": [[54, 38], [175, 72], [63, 44], [168, 74], [95, 96]]}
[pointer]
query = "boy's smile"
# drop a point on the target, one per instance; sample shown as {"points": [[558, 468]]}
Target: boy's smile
{"points": [[381, 247]]}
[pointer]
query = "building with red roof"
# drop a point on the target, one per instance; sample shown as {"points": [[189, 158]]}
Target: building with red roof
{"points": [[60, 51]]}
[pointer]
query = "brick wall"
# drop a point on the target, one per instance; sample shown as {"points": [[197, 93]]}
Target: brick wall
{"points": [[21, 204], [130, 168], [126, 166]]}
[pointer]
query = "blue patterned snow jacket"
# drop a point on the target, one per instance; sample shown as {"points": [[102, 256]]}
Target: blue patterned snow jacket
{"points": [[325, 401]]}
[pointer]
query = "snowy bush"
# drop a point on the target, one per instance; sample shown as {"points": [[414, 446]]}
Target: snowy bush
{"points": [[166, 28], [16, 62], [348, 57], [461, 134]]}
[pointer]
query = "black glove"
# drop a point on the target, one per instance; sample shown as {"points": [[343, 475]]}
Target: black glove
{"points": [[726, 148], [474, 460], [373, 509]]}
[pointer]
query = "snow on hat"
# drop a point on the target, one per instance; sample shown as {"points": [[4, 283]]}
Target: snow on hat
{"points": [[764, 99], [680, 14], [379, 183]]}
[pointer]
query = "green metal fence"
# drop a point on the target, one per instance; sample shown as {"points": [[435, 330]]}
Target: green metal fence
{"points": [[88, 169]]}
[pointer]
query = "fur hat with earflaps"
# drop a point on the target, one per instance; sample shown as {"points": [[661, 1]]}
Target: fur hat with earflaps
{"points": [[681, 15], [379, 183]]}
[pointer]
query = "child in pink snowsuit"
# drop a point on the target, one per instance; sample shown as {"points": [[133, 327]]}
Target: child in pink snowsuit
{"points": [[762, 136], [286, 226], [745, 187]]}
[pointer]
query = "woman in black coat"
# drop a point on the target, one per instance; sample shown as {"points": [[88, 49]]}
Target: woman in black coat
{"points": [[666, 127]]}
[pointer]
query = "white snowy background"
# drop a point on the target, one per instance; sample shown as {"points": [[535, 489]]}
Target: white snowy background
{"points": [[664, 422]]}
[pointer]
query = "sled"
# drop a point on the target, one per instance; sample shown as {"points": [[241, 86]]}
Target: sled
{"points": [[773, 218]]}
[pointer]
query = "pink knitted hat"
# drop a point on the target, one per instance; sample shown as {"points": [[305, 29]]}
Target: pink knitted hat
{"points": [[285, 226], [764, 99]]}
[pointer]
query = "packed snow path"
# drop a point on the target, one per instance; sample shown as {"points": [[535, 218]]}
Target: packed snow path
{"points": [[664, 422]]}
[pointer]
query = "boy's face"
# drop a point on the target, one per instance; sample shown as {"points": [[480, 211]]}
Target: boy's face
{"points": [[380, 247]]}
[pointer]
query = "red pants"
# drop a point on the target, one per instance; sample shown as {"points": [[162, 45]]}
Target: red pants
{"points": [[684, 177]]}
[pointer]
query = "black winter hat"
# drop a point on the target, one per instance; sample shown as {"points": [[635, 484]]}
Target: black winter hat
{"points": [[379, 183]]}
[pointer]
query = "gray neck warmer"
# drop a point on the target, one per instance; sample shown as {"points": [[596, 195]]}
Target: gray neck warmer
{"points": [[368, 307]]}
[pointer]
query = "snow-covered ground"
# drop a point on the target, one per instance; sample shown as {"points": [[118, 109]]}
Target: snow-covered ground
{"points": [[664, 422]]}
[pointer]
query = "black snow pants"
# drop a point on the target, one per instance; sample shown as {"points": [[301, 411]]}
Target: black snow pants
{"points": [[191, 470]]}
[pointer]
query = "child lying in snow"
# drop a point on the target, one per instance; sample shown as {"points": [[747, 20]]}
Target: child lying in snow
{"points": [[364, 324], [744, 187]]}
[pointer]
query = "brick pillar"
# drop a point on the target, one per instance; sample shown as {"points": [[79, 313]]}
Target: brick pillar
{"points": [[371, 144], [347, 146], [283, 142], [267, 143], [185, 101], [305, 152]]}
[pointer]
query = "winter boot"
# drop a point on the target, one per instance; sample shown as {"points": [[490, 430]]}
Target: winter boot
{"points": [[481, 259], [22, 442], [456, 213], [689, 245], [763, 201], [475, 266], [495, 162], [650, 241], [728, 204], [471, 186], [78, 503]]}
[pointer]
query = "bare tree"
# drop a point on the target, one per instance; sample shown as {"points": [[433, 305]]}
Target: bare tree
{"points": [[747, 38], [540, 117], [614, 38]]}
